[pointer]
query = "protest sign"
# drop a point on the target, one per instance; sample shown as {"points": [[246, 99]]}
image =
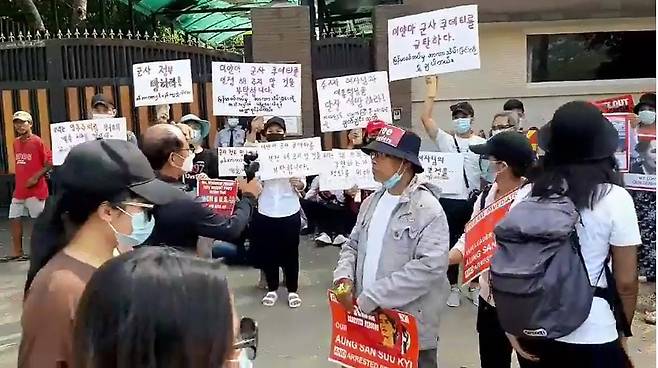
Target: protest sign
{"points": [[642, 174], [252, 89], [352, 101], [218, 195], [290, 158], [480, 243], [343, 169], [622, 122], [446, 170], [641, 182], [616, 104], [231, 160], [162, 82], [436, 42], [386, 339], [69, 134]]}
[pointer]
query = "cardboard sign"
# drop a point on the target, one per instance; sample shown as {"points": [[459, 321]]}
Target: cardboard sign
{"points": [[162, 82], [231, 160], [352, 101], [386, 339], [444, 170], [219, 195], [344, 169], [616, 104], [436, 42], [290, 158], [480, 243], [69, 134], [622, 122], [390, 135], [252, 89]]}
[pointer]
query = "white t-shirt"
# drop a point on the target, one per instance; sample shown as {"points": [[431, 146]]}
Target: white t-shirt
{"points": [[376, 231], [475, 168]]}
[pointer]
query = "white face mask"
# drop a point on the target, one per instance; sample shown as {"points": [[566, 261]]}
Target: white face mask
{"points": [[188, 163], [102, 116]]}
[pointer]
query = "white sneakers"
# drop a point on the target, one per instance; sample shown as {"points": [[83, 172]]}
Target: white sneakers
{"points": [[340, 239], [324, 238], [454, 299]]}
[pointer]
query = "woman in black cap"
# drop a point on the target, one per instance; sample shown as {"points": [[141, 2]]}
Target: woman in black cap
{"points": [[106, 190]]}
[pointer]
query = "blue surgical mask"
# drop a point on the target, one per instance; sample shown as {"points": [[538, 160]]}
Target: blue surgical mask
{"points": [[391, 182], [647, 117], [462, 125], [142, 229], [243, 360]]}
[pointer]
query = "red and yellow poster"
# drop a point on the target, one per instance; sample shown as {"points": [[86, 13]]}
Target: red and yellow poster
{"points": [[385, 339], [219, 195], [616, 104], [480, 243]]}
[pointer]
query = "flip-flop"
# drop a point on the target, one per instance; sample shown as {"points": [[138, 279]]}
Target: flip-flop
{"points": [[270, 299], [21, 258], [294, 301]]}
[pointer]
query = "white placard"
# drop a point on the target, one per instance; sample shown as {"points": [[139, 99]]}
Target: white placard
{"points": [[640, 182], [69, 134], [290, 159], [252, 89], [162, 82], [446, 170], [436, 42], [231, 160], [343, 169], [352, 101]]}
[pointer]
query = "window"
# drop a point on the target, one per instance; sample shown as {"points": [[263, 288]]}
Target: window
{"points": [[591, 56]]}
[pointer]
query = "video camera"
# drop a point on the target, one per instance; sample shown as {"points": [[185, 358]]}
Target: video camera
{"points": [[251, 166]]}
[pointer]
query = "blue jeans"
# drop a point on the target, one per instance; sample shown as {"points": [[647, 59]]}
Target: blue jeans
{"points": [[222, 249]]}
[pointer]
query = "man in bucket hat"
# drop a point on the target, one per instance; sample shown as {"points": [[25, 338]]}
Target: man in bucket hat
{"points": [[397, 254]]}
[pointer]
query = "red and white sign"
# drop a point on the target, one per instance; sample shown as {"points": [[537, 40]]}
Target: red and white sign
{"points": [[622, 122], [390, 135], [219, 195], [480, 242], [616, 104], [386, 339]]}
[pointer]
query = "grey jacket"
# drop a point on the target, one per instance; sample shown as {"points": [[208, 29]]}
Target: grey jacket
{"points": [[411, 276]]}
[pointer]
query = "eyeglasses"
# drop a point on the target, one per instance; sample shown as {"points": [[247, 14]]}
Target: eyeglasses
{"points": [[147, 208], [502, 127], [375, 154]]}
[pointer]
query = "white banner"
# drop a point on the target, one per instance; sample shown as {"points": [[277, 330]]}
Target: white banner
{"points": [[231, 160], [344, 169], [640, 182], [162, 82], [352, 101], [290, 159], [69, 134], [445, 170], [252, 89], [436, 42]]}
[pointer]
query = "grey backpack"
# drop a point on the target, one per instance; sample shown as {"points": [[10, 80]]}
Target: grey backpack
{"points": [[538, 276]]}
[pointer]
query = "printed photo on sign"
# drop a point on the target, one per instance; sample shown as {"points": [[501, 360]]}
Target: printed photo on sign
{"points": [[231, 160], [252, 89], [352, 101], [436, 42], [345, 169], [621, 122], [69, 134], [644, 148], [445, 170], [290, 158], [218, 195], [162, 82]]}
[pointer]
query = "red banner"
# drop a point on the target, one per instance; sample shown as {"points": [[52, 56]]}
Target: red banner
{"points": [[622, 122], [480, 243], [385, 339], [616, 104], [219, 195]]}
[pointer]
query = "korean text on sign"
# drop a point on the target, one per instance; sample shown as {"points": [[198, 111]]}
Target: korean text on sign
{"points": [[219, 195], [69, 134], [479, 234], [352, 101], [344, 169], [231, 160], [385, 339], [250, 89], [162, 82], [440, 41], [445, 170], [290, 159]]}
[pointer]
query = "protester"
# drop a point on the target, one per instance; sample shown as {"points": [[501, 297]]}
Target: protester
{"points": [[580, 145], [190, 325], [205, 162], [516, 106], [103, 108], [327, 212], [457, 206], [32, 162], [397, 255], [276, 227], [510, 155], [505, 121], [232, 135], [105, 194], [182, 222]]}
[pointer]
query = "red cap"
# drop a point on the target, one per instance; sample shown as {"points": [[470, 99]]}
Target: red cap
{"points": [[374, 127]]}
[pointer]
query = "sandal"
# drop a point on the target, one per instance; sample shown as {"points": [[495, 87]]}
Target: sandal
{"points": [[270, 299], [650, 317], [294, 301]]}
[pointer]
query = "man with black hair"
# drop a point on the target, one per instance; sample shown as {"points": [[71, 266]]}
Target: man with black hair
{"points": [[103, 108]]}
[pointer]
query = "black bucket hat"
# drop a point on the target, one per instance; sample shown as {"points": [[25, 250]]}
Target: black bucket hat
{"points": [[511, 147], [578, 133], [275, 120], [397, 142], [647, 99]]}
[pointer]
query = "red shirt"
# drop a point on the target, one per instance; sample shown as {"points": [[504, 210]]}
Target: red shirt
{"points": [[31, 157]]}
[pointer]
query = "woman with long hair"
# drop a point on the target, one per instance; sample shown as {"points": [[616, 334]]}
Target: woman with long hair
{"points": [[105, 192]]}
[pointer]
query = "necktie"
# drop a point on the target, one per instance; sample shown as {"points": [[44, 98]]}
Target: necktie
{"points": [[230, 141]]}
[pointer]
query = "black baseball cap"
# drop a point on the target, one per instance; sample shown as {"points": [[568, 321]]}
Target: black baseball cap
{"points": [[275, 121], [513, 104], [113, 166], [511, 147], [100, 99], [464, 107]]}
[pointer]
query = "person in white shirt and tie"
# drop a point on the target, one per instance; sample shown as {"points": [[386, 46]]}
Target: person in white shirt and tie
{"points": [[232, 135]]}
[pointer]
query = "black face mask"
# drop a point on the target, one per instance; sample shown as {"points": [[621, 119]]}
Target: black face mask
{"points": [[274, 137]]}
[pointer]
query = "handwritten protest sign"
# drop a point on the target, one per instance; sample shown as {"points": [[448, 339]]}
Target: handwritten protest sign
{"points": [[162, 82], [386, 339], [352, 101], [251, 89], [444, 170], [69, 134], [219, 195], [290, 159], [435, 42], [616, 104], [344, 169], [622, 122], [231, 160], [480, 243]]}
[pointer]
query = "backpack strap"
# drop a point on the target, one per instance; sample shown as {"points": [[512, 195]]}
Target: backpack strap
{"points": [[484, 195], [468, 187], [611, 295]]}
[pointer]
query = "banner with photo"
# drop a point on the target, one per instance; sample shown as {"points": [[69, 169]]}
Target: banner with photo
{"points": [[642, 173], [622, 122]]}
